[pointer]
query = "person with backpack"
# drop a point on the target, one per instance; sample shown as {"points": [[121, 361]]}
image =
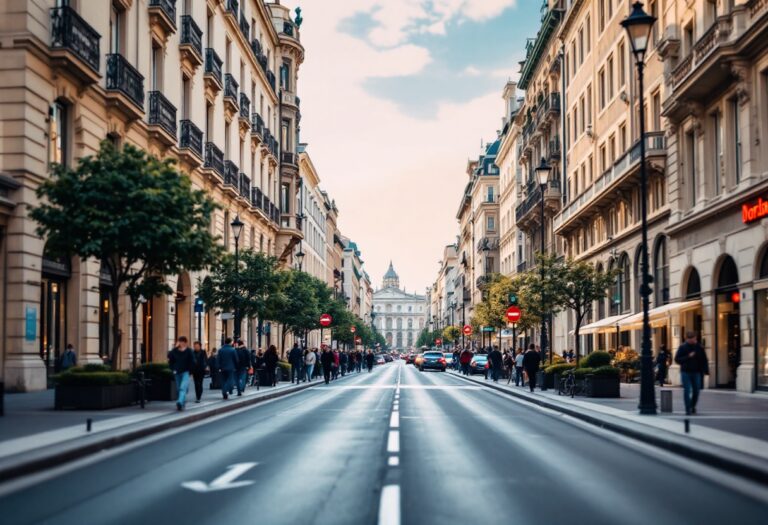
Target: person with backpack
{"points": [[243, 364], [270, 361], [465, 358]]}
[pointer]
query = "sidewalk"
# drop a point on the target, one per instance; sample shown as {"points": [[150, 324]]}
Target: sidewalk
{"points": [[34, 436], [731, 427]]}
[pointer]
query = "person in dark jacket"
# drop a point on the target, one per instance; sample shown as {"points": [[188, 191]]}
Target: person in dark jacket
{"points": [[662, 364], [227, 363], [693, 367], [326, 359], [198, 372], [370, 359], [243, 364], [259, 367], [343, 360], [465, 358], [181, 362], [270, 361], [497, 362], [296, 359], [531, 361], [213, 368], [68, 359]]}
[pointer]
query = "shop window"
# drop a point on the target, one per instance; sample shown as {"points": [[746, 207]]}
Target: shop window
{"points": [[661, 272], [761, 322]]}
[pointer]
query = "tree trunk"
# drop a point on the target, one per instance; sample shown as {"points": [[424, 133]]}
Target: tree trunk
{"points": [[114, 295], [283, 333], [134, 332], [579, 320]]}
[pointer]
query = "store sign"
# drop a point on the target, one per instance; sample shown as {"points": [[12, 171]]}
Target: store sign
{"points": [[754, 211]]}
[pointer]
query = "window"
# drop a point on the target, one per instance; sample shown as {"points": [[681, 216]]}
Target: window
{"points": [[623, 137], [115, 29], [185, 96], [489, 194], [653, 10], [581, 45], [601, 15], [576, 131], [58, 133], [285, 137], [209, 122], [626, 283], [156, 68], [590, 175], [718, 168], [209, 29], [227, 141], [588, 30], [690, 153], [734, 103], [710, 13], [622, 54], [573, 57], [589, 105], [656, 111], [601, 87], [609, 77], [488, 265], [688, 40], [491, 223], [603, 159], [612, 148], [227, 229], [582, 107], [661, 272]]}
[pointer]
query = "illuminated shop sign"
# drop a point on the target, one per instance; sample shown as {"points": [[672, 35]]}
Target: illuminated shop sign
{"points": [[754, 211]]}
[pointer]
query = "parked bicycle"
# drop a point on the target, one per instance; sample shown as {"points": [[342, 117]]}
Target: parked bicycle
{"points": [[569, 386]]}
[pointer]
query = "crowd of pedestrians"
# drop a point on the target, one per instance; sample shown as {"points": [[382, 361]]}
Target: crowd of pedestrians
{"points": [[520, 365]]}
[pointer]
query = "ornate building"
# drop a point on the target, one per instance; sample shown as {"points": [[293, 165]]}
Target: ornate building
{"points": [[399, 315]]}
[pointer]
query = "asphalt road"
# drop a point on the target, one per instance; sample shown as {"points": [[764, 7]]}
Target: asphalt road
{"points": [[392, 446]]}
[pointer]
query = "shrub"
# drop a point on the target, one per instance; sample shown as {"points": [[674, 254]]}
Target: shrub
{"points": [[84, 378], [595, 359], [285, 366], [606, 371], [559, 368], [92, 368], [557, 359], [581, 373], [155, 371]]}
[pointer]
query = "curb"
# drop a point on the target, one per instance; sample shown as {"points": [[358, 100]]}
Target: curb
{"points": [[32, 461], [735, 462]]}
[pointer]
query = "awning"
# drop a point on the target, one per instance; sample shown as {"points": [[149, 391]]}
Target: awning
{"points": [[658, 316], [608, 324]]}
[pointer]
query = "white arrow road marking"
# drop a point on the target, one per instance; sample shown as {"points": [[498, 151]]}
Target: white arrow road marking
{"points": [[223, 482]]}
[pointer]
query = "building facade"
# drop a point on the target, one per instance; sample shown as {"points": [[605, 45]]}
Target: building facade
{"points": [[400, 316], [210, 84]]}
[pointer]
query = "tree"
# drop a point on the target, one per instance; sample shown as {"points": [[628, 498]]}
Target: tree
{"points": [[427, 337], [451, 333], [492, 310], [299, 310], [135, 213], [578, 285]]}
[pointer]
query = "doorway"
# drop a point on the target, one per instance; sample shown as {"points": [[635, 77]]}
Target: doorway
{"points": [[53, 310], [727, 325]]}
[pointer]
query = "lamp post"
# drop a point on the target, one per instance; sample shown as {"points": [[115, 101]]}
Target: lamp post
{"points": [[542, 174], [237, 228], [638, 26], [300, 257]]}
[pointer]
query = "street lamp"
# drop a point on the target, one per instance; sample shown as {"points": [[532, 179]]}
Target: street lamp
{"points": [[300, 257], [542, 175], [638, 26], [237, 229]]}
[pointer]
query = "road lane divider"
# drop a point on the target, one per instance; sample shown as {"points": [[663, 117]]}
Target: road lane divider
{"points": [[389, 505]]}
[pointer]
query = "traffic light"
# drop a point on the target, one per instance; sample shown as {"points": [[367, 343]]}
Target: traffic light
{"points": [[513, 299]]}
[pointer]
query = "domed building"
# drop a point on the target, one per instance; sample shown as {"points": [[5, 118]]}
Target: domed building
{"points": [[399, 315]]}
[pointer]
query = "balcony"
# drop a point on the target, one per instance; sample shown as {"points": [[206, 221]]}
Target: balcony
{"points": [[212, 77], [265, 206], [245, 186], [74, 45], [554, 149], [290, 159], [231, 9], [527, 214], [624, 174], [256, 197], [162, 18], [289, 235], [125, 86], [271, 80], [231, 177], [290, 99], [191, 44], [162, 118], [245, 114], [256, 47], [214, 159], [190, 143], [290, 36], [230, 96], [257, 129], [245, 27]]}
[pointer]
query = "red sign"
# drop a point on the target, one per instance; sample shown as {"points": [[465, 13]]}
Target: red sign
{"points": [[736, 297], [358, 340], [513, 314], [754, 211], [353, 329], [438, 342], [325, 320], [467, 329]]}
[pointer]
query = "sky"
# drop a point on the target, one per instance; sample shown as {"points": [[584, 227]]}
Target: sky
{"points": [[396, 96]]}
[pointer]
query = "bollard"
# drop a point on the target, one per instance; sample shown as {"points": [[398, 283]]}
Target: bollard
{"points": [[687, 426], [88, 423], [666, 401]]}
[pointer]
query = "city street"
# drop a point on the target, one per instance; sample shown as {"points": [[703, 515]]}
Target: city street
{"points": [[394, 446]]}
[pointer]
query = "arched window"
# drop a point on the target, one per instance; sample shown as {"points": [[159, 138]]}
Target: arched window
{"points": [[764, 266], [389, 308], [389, 323], [729, 274], [661, 272], [614, 294], [625, 283], [601, 302], [399, 323], [693, 286], [410, 323]]}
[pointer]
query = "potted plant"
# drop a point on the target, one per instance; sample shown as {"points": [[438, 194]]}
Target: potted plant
{"points": [[161, 384], [93, 387], [603, 382]]}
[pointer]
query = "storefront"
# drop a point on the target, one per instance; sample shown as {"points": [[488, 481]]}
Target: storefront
{"points": [[53, 310], [761, 322]]}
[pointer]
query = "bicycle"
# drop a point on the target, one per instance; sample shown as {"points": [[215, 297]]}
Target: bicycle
{"points": [[569, 386]]}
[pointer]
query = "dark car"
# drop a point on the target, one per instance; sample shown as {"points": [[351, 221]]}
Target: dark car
{"points": [[479, 364], [388, 358], [433, 361]]}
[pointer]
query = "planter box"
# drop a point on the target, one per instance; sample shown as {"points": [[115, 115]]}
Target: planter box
{"points": [[94, 397], [549, 380], [599, 386], [162, 390]]}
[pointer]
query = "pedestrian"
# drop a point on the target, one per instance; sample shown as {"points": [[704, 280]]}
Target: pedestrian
{"points": [[369, 360], [270, 362], [198, 371], [343, 361], [693, 367], [531, 361], [227, 362], [662, 364], [326, 360], [571, 355], [213, 367], [68, 359], [310, 358], [519, 375], [181, 362], [465, 359], [243, 364], [335, 364], [509, 364], [317, 360], [296, 360], [259, 366], [496, 360], [455, 362]]}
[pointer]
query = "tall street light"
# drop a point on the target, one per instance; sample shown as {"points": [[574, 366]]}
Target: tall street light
{"points": [[638, 26], [542, 174], [237, 229], [299, 257]]}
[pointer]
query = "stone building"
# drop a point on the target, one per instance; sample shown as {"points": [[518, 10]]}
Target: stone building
{"points": [[399, 314]]}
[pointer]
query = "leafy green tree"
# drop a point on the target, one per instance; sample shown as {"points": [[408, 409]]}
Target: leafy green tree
{"points": [[451, 334], [299, 310], [492, 310], [135, 213]]}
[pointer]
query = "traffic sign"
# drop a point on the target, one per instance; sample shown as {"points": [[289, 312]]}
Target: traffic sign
{"points": [[513, 314], [325, 320], [353, 329], [467, 329], [488, 329], [438, 342], [358, 340]]}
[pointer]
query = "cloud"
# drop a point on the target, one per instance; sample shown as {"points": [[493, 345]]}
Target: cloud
{"points": [[471, 71]]}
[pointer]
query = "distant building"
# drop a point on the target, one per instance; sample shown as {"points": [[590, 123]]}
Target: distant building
{"points": [[399, 315]]}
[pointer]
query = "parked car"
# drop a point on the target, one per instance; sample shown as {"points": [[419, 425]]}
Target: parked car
{"points": [[448, 359], [433, 361], [409, 359], [479, 364], [380, 360], [388, 358]]}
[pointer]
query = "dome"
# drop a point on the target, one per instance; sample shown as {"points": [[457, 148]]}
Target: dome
{"points": [[391, 279], [391, 274]]}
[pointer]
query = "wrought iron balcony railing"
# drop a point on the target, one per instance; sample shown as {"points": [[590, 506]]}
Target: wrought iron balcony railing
{"points": [[232, 7], [231, 174], [191, 137], [289, 158], [230, 86], [245, 27], [191, 34], [256, 197], [123, 77], [257, 124], [213, 64], [161, 112], [271, 79], [70, 31], [214, 158], [256, 47], [168, 7], [245, 186], [245, 106]]}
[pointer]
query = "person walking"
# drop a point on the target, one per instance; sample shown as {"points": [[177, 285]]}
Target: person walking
{"points": [[243, 364], [227, 361], [309, 364], [326, 360], [270, 361], [213, 367], [198, 371], [369, 360], [296, 361], [509, 364], [693, 367], [343, 361], [465, 359], [531, 362], [662, 364], [335, 365], [259, 366], [519, 375], [68, 359], [497, 362], [181, 362]]}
